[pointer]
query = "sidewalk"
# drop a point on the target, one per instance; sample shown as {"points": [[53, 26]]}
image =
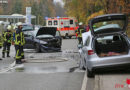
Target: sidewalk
{"points": [[112, 82]]}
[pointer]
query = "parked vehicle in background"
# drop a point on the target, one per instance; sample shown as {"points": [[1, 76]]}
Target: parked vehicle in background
{"points": [[106, 45], [36, 27], [27, 27], [66, 25], [44, 39]]}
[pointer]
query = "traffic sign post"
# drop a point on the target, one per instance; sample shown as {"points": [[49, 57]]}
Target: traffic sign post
{"points": [[28, 15]]}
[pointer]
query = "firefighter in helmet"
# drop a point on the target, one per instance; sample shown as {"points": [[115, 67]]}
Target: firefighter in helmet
{"points": [[19, 42], [0, 44], [7, 39], [79, 32]]}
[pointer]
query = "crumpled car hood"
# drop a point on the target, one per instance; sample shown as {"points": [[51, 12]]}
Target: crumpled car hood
{"points": [[47, 31]]}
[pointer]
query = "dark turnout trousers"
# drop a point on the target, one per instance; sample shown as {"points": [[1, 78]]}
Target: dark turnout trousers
{"points": [[6, 48]]}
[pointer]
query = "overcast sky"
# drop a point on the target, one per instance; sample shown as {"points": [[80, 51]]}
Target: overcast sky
{"points": [[59, 1]]}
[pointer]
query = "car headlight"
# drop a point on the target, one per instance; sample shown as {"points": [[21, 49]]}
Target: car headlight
{"points": [[43, 42]]}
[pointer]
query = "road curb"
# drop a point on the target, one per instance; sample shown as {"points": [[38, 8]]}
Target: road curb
{"points": [[35, 60]]}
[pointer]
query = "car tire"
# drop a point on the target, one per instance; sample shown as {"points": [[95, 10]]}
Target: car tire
{"points": [[38, 48], [66, 35], [63, 37], [90, 74]]}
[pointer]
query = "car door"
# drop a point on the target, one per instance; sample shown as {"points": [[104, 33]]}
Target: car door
{"points": [[58, 36], [29, 40]]}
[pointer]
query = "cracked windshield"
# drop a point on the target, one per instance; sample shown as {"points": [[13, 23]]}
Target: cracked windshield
{"points": [[65, 44]]}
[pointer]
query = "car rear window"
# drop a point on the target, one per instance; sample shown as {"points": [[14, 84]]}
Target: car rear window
{"points": [[108, 26]]}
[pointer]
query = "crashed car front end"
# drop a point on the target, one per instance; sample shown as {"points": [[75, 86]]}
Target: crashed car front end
{"points": [[53, 44]]}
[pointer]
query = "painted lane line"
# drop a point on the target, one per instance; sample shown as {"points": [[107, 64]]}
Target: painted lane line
{"points": [[97, 80], [84, 84]]}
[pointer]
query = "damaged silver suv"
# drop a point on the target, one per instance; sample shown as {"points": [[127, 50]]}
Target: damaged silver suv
{"points": [[106, 45]]}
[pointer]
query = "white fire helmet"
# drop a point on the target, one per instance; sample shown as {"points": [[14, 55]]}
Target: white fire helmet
{"points": [[19, 23], [80, 23], [9, 27]]}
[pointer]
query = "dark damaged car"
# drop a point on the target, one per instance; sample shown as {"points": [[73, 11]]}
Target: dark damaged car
{"points": [[44, 39]]}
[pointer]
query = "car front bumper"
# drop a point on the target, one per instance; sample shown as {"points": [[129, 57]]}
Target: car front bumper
{"points": [[45, 48]]}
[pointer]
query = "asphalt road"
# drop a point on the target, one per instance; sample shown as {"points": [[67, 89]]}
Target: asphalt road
{"points": [[57, 71], [44, 71]]}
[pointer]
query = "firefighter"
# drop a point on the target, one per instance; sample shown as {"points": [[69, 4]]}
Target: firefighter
{"points": [[19, 42], [0, 44], [79, 32], [7, 39]]}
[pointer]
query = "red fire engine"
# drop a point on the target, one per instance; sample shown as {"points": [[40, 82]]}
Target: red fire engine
{"points": [[66, 25]]}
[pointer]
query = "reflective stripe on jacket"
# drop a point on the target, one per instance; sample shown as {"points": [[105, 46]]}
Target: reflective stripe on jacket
{"points": [[0, 41], [7, 37], [79, 32], [19, 38]]}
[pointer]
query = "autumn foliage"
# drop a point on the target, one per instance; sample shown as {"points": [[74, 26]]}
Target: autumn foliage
{"points": [[84, 10]]}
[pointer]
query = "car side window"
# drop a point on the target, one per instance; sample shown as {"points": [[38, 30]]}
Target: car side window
{"points": [[49, 22], [71, 22], [55, 22], [87, 41]]}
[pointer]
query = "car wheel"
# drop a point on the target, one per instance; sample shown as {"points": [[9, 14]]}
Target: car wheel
{"points": [[38, 48], [90, 74], [66, 35], [63, 37]]}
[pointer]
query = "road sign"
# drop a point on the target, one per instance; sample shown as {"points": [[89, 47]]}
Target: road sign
{"points": [[28, 15]]}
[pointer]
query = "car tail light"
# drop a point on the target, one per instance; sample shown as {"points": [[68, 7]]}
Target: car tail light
{"points": [[90, 52]]}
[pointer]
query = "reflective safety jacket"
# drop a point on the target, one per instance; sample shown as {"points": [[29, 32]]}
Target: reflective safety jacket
{"points": [[0, 41], [7, 37], [79, 32], [19, 37]]}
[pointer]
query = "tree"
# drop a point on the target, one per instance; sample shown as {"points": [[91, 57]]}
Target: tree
{"points": [[17, 7]]}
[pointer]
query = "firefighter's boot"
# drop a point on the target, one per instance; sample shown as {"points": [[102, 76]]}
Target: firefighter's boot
{"points": [[18, 61], [8, 54], [3, 54]]}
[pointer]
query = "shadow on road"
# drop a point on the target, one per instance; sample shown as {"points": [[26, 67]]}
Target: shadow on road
{"points": [[113, 72]]}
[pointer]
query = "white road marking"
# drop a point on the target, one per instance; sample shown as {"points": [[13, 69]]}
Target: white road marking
{"points": [[6, 69], [84, 84], [45, 60], [10, 67]]}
